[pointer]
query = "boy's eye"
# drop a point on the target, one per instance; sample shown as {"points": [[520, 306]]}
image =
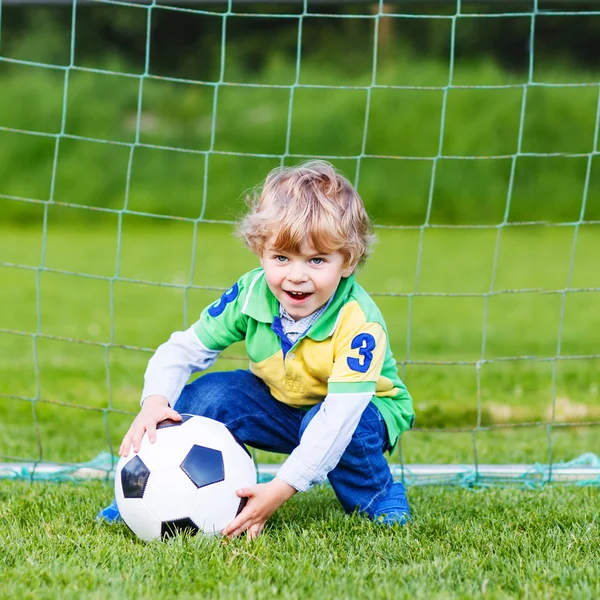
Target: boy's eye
{"points": [[317, 261], [280, 258]]}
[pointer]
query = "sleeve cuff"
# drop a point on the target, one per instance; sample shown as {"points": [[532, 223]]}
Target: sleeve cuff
{"points": [[351, 387], [298, 476]]}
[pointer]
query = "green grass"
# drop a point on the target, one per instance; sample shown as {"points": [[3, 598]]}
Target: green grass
{"points": [[178, 118], [90, 391], [495, 543]]}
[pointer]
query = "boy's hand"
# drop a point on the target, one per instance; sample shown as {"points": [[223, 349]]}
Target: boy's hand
{"points": [[263, 500], [154, 410]]}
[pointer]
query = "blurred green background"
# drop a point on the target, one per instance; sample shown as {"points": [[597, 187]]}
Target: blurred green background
{"points": [[75, 334], [176, 118]]}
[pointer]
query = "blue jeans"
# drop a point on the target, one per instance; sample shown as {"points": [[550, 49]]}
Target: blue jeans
{"points": [[244, 403]]}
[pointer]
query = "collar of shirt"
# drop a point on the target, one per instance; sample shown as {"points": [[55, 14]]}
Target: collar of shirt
{"points": [[294, 328]]}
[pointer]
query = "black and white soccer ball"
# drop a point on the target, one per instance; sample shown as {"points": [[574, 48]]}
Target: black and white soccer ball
{"points": [[186, 480]]}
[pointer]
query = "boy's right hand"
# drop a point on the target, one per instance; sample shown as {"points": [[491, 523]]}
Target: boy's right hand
{"points": [[154, 410]]}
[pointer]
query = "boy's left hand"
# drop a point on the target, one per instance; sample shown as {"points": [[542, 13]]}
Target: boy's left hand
{"points": [[263, 500]]}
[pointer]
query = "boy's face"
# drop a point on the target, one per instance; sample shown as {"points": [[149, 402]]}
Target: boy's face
{"points": [[302, 282]]}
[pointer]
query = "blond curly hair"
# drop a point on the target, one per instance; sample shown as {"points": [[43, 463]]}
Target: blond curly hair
{"points": [[312, 203]]}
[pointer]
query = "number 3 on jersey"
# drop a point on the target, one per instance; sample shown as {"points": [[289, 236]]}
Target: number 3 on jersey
{"points": [[365, 343], [214, 310]]}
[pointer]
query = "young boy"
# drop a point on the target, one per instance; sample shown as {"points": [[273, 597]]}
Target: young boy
{"points": [[323, 385]]}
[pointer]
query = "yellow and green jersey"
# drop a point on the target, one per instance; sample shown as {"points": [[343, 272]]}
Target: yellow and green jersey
{"points": [[346, 350]]}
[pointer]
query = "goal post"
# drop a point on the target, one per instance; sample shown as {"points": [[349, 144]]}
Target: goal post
{"points": [[123, 171]]}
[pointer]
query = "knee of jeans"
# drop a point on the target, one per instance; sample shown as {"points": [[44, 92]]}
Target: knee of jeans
{"points": [[192, 392], [372, 429], [182, 403]]}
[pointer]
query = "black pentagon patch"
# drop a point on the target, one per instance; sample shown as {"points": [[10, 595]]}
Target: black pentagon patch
{"points": [[171, 423], [134, 477], [243, 503], [237, 439], [203, 466], [170, 528]]}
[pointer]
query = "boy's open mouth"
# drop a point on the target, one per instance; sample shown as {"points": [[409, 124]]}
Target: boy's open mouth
{"points": [[297, 295]]}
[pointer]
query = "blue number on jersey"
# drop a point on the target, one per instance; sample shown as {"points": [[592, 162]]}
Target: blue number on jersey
{"points": [[218, 307], [365, 342]]}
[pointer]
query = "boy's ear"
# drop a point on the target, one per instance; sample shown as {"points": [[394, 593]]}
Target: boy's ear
{"points": [[348, 270]]}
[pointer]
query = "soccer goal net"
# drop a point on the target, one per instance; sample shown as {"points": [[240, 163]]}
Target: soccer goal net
{"points": [[130, 132]]}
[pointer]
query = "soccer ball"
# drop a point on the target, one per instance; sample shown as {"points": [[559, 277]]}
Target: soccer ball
{"points": [[186, 480]]}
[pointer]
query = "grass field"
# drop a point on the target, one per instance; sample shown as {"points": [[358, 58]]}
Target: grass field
{"points": [[495, 543]]}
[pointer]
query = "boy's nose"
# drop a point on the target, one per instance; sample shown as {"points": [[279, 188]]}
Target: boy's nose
{"points": [[297, 273]]}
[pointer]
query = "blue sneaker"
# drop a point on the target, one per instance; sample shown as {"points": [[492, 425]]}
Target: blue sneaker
{"points": [[110, 514], [393, 508]]}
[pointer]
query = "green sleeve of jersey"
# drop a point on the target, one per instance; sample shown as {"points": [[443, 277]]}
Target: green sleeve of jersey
{"points": [[223, 323]]}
